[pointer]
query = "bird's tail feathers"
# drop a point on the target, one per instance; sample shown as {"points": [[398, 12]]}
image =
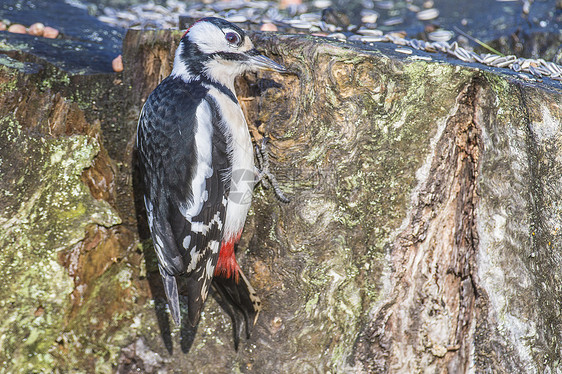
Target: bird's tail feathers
{"points": [[194, 300], [196, 296], [238, 297], [171, 290]]}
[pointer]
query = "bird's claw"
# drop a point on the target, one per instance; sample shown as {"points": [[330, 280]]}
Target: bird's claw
{"points": [[264, 175]]}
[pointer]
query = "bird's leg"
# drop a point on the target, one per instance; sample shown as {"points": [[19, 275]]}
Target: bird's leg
{"points": [[264, 175], [259, 173]]}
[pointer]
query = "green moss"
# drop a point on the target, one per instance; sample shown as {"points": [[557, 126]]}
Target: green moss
{"points": [[84, 96], [11, 84], [311, 304], [47, 211], [54, 79], [14, 46]]}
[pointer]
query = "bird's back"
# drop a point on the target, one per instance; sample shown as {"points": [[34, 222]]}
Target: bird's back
{"points": [[183, 159]]}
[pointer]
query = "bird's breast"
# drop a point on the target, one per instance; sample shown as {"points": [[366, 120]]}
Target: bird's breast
{"points": [[242, 176]]}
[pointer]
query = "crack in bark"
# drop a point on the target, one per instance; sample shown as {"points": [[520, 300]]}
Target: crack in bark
{"points": [[427, 320]]}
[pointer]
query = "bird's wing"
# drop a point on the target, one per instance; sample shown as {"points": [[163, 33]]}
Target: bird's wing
{"points": [[186, 197]]}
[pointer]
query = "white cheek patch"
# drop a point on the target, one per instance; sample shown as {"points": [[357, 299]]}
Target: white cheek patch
{"points": [[224, 72], [209, 38], [247, 46]]}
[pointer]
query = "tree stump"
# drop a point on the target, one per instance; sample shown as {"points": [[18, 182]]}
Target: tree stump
{"points": [[422, 235]]}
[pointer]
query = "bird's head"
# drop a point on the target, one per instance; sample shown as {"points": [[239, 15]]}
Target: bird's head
{"points": [[218, 50]]}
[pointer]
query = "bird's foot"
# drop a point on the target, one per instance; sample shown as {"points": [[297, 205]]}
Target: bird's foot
{"points": [[264, 175]]}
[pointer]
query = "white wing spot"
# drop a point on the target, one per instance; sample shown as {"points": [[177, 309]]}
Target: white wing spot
{"points": [[186, 241], [203, 144], [159, 241], [204, 289], [214, 245], [202, 276], [209, 269], [195, 256], [204, 228]]}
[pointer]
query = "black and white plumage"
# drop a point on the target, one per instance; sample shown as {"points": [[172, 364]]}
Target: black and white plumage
{"points": [[197, 163]]}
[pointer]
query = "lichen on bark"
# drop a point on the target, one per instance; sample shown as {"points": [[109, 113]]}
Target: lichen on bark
{"points": [[45, 209]]}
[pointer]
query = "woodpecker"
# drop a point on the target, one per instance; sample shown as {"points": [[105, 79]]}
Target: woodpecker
{"points": [[197, 163]]}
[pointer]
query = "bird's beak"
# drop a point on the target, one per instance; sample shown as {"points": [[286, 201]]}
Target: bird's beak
{"points": [[261, 62]]}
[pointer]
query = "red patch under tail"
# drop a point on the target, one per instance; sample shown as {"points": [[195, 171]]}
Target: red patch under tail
{"points": [[227, 266]]}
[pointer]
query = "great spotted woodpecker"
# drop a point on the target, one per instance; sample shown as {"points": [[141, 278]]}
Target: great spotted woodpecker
{"points": [[197, 164]]}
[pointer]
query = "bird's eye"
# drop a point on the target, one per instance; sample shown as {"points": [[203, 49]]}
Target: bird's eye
{"points": [[232, 37]]}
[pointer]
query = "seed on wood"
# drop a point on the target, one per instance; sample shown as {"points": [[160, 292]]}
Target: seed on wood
{"points": [[372, 38], [268, 27], [406, 51], [440, 35], [387, 5], [117, 64], [425, 58], [370, 32], [16, 28], [36, 29], [393, 21], [370, 17], [428, 14], [237, 19], [337, 35]]}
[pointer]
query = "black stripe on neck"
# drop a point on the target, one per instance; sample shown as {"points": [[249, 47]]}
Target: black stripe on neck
{"points": [[219, 86]]}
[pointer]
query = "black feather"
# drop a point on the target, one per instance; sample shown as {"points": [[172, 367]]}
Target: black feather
{"points": [[239, 299], [171, 290]]}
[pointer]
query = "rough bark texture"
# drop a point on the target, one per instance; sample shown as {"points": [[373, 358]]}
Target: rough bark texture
{"points": [[422, 236]]}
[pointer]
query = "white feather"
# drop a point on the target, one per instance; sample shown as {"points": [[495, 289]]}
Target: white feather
{"points": [[180, 68], [214, 245], [204, 228], [242, 158], [224, 72], [149, 212], [211, 39], [186, 242], [203, 145], [195, 254]]}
